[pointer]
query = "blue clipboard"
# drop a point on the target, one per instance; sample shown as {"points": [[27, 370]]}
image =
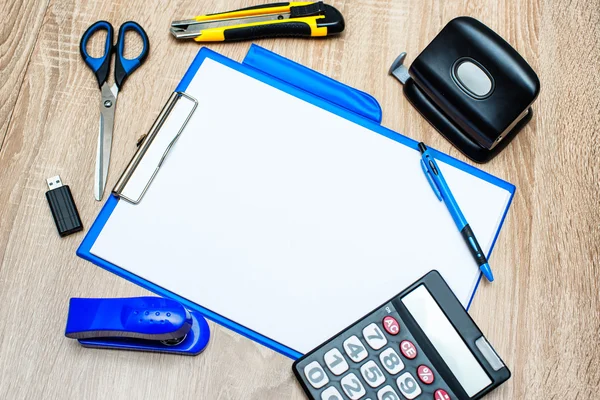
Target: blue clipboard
{"points": [[310, 86]]}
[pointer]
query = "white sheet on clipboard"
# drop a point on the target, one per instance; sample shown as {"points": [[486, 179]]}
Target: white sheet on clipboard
{"points": [[288, 219]]}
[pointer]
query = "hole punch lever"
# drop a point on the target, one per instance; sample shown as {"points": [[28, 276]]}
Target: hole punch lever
{"points": [[399, 70]]}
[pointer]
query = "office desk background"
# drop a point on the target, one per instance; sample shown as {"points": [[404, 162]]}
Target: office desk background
{"points": [[542, 314]]}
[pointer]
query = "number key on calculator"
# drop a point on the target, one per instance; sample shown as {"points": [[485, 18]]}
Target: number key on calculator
{"points": [[422, 344]]}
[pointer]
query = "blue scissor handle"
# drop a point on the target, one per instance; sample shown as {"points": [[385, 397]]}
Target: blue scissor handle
{"points": [[100, 65], [123, 66]]}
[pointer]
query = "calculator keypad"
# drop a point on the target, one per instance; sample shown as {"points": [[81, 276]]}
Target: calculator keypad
{"points": [[376, 358], [408, 349], [331, 393], [316, 375], [352, 386], [390, 325], [387, 393], [425, 374], [355, 349], [441, 394], [374, 336], [408, 386], [391, 361], [336, 362], [372, 374]]}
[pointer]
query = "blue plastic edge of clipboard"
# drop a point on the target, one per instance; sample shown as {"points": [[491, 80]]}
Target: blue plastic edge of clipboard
{"points": [[320, 85], [84, 250]]}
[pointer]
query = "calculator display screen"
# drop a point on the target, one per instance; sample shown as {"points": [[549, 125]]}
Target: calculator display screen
{"points": [[446, 340]]}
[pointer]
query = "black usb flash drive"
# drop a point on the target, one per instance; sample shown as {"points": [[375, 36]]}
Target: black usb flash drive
{"points": [[64, 211]]}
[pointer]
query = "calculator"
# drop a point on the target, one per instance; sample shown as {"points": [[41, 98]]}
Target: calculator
{"points": [[421, 344]]}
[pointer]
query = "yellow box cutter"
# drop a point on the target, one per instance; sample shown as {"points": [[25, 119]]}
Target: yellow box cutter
{"points": [[305, 19]]}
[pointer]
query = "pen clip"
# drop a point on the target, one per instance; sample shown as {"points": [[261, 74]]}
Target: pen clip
{"points": [[430, 180]]}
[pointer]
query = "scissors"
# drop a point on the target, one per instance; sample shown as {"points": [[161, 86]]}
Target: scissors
{"points": [[101, 68]]}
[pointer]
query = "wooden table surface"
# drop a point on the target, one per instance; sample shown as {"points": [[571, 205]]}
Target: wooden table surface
{"points": [[542, 314]]}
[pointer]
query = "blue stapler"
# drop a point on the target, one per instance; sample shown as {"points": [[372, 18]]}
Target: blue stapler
{"points": [[138, 323]]}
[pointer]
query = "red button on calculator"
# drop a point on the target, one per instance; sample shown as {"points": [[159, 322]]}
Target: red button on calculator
{"points": [[425, 374], [391, 326], [408, 349], [441, 394]]}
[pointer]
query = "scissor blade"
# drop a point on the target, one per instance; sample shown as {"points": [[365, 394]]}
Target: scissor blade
{"points": [[107, 119]]}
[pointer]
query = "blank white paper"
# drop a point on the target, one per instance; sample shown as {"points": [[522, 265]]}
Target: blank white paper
{"points": [[288, 219]]}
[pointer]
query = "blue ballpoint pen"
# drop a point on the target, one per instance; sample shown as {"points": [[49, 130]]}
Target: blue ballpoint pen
{"points": [[442, 191]]}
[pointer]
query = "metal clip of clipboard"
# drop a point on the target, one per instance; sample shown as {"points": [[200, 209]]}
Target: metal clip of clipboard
{"points": [[147, 141]]}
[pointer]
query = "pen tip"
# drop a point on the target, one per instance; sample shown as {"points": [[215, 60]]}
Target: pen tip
{"points": [[422, 147], [487, 271]]}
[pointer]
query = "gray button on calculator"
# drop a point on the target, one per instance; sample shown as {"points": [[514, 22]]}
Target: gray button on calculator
{"points": [[331, 393], [352, 386], [374, 337], [387, 393], [372, 374], [408, 386], [391, 361], [335, 361], [316, 375], [355, 349]]}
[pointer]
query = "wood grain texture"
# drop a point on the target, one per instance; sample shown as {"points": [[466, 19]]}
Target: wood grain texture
{"points": [[542, 314], [21, 23]]}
